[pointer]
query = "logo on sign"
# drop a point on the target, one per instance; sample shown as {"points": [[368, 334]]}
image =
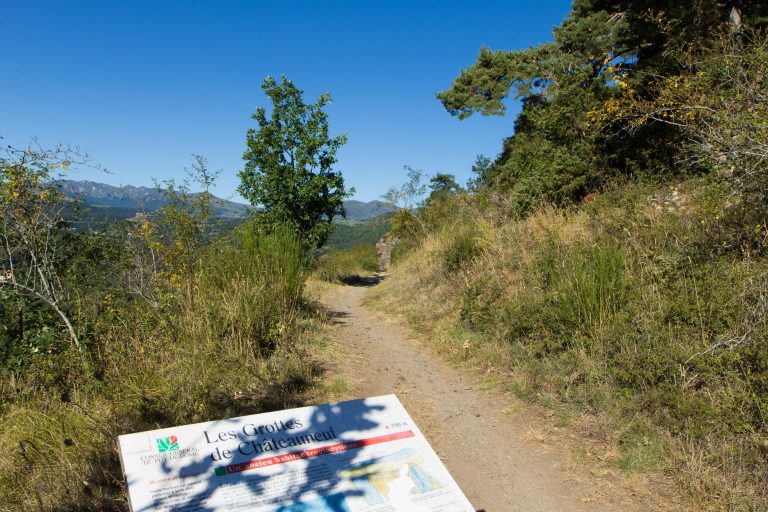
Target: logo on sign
{"points": [[167, 444]]}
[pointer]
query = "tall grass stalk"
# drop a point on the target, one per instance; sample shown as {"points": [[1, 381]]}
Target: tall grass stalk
{"points": [[240, 346], [592, 286], [631, 310]]}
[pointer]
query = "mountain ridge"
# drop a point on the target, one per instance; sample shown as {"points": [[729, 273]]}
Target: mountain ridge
{"points": [[127, 200]]}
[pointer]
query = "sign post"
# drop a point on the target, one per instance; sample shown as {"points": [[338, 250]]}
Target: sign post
{"points": [[358, 456]]}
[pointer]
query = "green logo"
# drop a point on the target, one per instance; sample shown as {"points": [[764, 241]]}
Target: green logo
{"points": [[167, 444]]}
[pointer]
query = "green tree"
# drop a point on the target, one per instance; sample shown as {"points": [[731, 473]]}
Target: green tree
{"points": [[551, 157], [32, 228], [172, 238], [442, 186], [482, 169], [407, 198], [555, 155], [289, 164]]}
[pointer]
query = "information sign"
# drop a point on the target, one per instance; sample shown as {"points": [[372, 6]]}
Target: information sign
{"points": [[358, 456]]}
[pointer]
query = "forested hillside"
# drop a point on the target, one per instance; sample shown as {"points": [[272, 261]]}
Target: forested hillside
{"points": [[610, 263]]}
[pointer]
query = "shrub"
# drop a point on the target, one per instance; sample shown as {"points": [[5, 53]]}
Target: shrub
{"points": [[347, 266], [238, 345], [462, 247], [478, 300], [591, 287], [268, 270], [629, 307]]}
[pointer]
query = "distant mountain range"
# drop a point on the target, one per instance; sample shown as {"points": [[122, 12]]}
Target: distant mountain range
{"points": [[358, 210], [105, 201], [124, 202]]}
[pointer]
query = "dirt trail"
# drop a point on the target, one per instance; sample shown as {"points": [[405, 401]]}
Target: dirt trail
{"points": [[489, 453]]}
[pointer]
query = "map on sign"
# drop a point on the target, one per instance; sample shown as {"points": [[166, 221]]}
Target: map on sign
{"points": [[358, 456]]}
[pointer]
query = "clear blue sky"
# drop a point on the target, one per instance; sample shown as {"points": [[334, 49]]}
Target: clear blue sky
{"points": [[143, 84]]}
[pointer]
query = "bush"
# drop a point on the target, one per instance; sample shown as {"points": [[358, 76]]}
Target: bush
{"points": [[347, 266], [461, 248], [238, 345], [268, 269], [717, 102], [590, 287], [629, 307], [478, 304]]}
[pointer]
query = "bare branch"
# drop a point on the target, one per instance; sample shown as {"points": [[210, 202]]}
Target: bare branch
{"points": [[31, 291]]}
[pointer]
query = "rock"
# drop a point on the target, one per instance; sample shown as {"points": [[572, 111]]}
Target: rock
{"points": [[384, 250]]}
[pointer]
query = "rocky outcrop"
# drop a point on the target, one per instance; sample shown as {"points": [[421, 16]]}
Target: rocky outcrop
{"points": [[384, 250]]}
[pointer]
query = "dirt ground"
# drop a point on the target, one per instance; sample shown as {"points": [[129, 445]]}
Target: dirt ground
{"points": [[498, 449]]}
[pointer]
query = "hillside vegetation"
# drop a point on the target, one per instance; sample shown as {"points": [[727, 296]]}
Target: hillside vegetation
{"points": [[618, 311], [163, 320], [166, 337], [610, 263], [348, 234]]}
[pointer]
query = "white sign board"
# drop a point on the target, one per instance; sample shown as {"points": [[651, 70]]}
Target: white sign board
{"points": [[357, 456]]}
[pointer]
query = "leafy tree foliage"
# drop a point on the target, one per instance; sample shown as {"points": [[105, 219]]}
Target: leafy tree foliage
{"points": [[555, 155], [32, 229], [416, 214], [718, 103], [550, 158], [407, 198], [442, 185], [481, 169], [289, 163], [410, 194], [177, 232]]}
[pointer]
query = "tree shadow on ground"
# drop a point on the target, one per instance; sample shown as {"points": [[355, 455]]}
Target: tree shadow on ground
{"points": [[103, 486], [298, 481], [332, 316], [366, 281]]}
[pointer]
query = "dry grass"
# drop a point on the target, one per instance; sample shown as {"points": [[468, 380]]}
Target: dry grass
{"points": [[502, 312], [348, 265], [242, 344]]}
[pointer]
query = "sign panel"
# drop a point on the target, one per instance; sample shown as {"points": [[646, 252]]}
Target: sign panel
{"points": [[358, 456]]}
